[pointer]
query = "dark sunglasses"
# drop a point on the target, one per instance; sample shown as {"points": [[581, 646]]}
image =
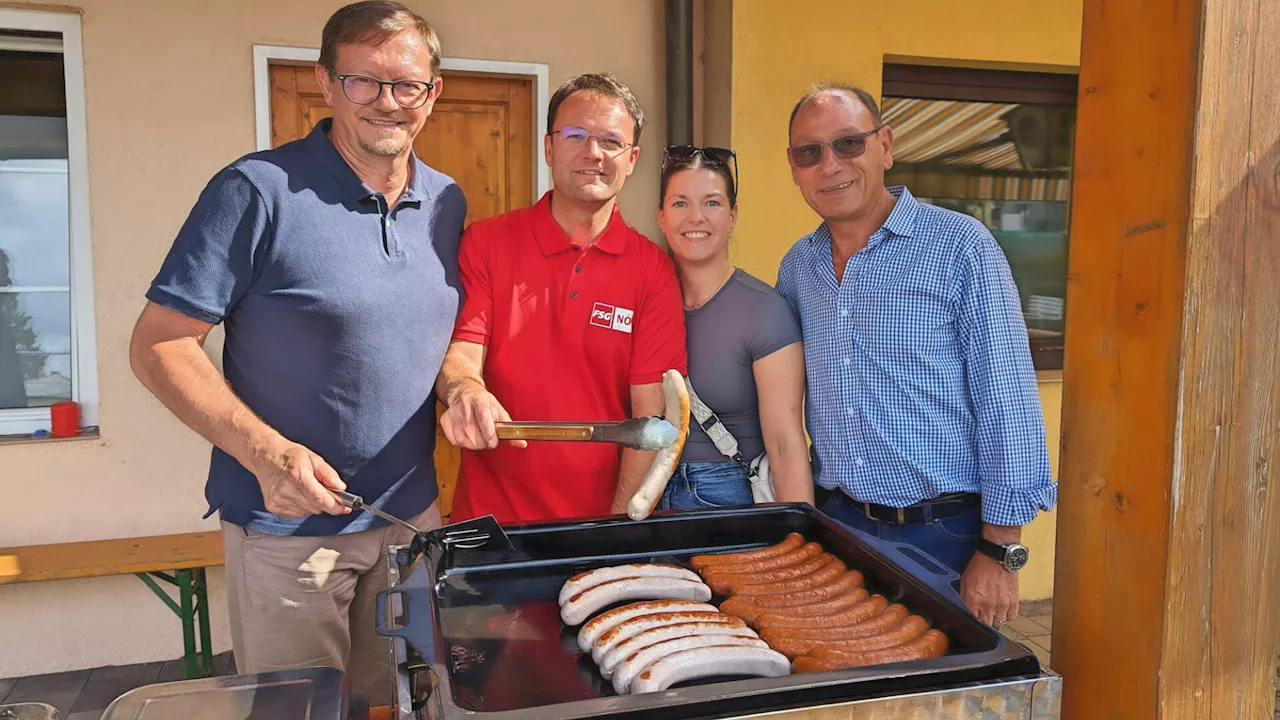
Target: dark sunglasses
{"points": [[846, 147], [717, 155]]}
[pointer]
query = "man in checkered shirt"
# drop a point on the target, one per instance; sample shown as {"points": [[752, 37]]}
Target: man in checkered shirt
{"points": [[922, 401]]}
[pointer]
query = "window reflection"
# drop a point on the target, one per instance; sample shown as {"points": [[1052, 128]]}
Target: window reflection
{"points": [[35, 304], [1008, 165]]}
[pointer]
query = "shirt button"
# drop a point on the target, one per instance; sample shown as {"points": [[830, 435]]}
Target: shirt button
{"points": [[860, 462], [573, 295], [577, 249], [844, 313], [847, 361], [848, 411], [578, 269]]}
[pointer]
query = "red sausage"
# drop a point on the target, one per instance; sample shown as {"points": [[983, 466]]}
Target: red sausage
{"points": [[793, 647], [819, 629], [822, 576], [725, 583], [863, 611], [789, 543], [806, 596], [933, 643], [806, 664], [807, 551]]}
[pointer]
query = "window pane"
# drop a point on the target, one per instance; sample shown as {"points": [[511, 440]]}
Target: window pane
{"points": [[34, 239], [35, 348], [1009, 166]]}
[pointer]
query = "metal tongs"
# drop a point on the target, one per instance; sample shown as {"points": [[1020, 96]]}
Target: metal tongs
{"points": [[467, 535]]}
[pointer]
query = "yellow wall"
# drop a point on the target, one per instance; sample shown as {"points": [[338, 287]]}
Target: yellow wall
{"points": [[169, 91], [778, 50]]}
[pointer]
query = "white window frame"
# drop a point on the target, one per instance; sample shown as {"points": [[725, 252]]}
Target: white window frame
{"points": [[84, 355]]}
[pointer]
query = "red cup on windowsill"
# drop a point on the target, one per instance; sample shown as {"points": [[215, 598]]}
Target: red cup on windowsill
{"points": [[65, 418]]}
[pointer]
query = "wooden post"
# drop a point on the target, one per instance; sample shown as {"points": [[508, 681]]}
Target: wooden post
{"points": [[1165, 597]]}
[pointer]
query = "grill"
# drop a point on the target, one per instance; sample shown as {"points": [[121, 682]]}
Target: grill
{"points": [[478, 633]]}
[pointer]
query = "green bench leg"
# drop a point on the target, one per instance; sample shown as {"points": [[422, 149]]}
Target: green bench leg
{"points": [[192, 608]]}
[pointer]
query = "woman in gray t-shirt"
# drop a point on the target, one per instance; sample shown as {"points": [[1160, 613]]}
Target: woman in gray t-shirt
{"points": [[745, 358]]}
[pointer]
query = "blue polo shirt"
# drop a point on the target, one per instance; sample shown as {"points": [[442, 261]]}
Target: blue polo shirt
{"points": [[338, 310]]}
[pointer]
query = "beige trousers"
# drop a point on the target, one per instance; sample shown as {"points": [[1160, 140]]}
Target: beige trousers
{"points": [[299, 601]]}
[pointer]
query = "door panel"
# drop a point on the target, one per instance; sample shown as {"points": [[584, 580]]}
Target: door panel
{"points": [[480, 134]]}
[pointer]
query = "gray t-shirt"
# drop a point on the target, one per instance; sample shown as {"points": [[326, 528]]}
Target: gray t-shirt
{"points": [[745, 321]]}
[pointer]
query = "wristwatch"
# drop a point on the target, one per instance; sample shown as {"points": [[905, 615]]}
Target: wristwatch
{"points": [[1012, 557]]}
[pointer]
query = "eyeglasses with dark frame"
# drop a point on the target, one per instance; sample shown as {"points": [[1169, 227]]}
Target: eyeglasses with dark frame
{"points": [[716, 155], [365, 90], [845, 147], [576, 136]]}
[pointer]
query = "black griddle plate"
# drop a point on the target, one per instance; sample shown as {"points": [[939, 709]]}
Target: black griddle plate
{"points": [[487, 621]]}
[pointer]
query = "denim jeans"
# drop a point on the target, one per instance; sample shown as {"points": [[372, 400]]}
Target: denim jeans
{"points": [[951, 540], [697, 486]]}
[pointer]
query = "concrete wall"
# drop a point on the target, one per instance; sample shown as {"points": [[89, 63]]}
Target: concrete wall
{"points": [[779, 48], [170, 101]]}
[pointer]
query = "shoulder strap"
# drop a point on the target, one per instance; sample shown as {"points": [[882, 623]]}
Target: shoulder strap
{"points": [[710, 423]]}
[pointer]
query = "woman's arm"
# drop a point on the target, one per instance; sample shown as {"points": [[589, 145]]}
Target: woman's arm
{"points": [[780, 385]]}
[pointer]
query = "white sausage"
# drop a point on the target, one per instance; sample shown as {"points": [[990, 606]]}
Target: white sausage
{"points": [[588, 602], [636, 662], [620, 651], [644, 623], [708, 662], [591, 578], [664, 465], [601, 624]]}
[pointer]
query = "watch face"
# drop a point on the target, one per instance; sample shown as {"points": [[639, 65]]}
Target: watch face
{"points": [[1017, 557]]}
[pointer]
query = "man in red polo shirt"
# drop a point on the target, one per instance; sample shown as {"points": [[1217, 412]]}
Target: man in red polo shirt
{"points": [[569, 314]]}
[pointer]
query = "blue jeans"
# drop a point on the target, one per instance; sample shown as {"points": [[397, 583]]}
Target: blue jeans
{"points": [[951, 540], [697, 486]]}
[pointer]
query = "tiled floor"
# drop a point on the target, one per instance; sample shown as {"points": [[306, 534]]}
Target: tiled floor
{"points": [[1032, 628], [84, 694]]}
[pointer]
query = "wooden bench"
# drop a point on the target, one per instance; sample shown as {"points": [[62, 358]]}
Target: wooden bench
{"points": [[179, 560]]}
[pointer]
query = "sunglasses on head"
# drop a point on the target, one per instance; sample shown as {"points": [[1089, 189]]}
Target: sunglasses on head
{"points": [[715, 155], [846, 147]]}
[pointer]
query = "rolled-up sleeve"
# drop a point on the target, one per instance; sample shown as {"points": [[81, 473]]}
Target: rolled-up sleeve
{"points": [[1013, 459], [213, 260]]}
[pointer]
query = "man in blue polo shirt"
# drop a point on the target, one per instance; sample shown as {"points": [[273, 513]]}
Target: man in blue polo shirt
{"points": [[332, 262]]}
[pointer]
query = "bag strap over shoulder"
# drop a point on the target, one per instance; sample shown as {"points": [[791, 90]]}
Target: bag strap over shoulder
{"points": [[710, 423]]}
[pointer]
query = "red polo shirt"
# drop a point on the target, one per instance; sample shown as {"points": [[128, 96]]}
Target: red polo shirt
{"points": [[568, 331]]}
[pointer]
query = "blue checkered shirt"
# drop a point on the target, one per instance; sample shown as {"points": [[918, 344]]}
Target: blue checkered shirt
{"points": [[920, 380]]}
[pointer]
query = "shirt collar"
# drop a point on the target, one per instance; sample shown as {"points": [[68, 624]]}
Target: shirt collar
{"points": [[553, 239], [901, 221], [322, 147]]}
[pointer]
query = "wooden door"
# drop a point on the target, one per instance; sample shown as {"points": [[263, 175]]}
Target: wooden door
{"points": [[480, 134]]}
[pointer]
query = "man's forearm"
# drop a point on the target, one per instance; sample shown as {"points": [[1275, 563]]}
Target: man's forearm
{"points": [[635, 463], [182, 377], [1002, 534], [646, 400], [460, 372]]}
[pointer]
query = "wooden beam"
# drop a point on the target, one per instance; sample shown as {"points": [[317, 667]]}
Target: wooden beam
{"points": [[1165, 594]]}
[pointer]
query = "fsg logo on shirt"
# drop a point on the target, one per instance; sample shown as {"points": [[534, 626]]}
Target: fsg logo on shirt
{"points": [[614, 318]]}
